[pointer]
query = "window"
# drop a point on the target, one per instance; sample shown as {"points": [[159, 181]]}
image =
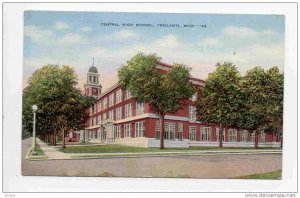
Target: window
{"points": [[117, 131], [262, 136], [111, 100], [169, 131], [206, 133], [128, 110], [194, 97], [119, 96], [94, 79], [119, 113], [252, 137], [91, 122], [91, 110], [95, 120], [192, 133], [94, 108], [217, 134], [232, 135], [157, 130], [140, 108], [127, 94], [99, 106], [127, 130], [104, 116], [192, 113], [244, 136], [99, 119], [111, 115], [180, 131], [104, 103], [139, 129]]}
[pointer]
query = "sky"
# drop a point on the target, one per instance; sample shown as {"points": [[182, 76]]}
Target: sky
{"points": [[75, 38]]}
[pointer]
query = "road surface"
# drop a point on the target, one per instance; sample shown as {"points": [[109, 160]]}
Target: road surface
{"points": [[216, 166]]}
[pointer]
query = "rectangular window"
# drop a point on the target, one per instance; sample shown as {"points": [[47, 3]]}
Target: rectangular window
{"points": [[91, 110], [206, 133], [95, 108], [111, 115], [194, 97], [232, 135], [252, 137], [140, 108], [127, 130], [192, 133], [170, 131], [157, 130], [91, 122], [119, 113], [104, 116], [180, 131], [111, 100], [243, 136], [192, 113], [119, 96], [139, 129], [262, 137], [117, 131], [99, 119], [104, 103], [128, 110], [99, 106], [217, 134], [95, 121], [127, 94]]}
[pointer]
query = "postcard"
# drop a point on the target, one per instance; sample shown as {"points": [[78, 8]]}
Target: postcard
{"points": [[164, 95]]}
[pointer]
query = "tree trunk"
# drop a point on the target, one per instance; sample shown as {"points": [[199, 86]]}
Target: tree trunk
{"points": [[256, 139], [54, 137], [281, 141], [63, 138], [51, 139], [221, 135], [162, 130]]}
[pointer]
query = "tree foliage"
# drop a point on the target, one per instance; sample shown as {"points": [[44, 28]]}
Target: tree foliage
{"points": [[220, 102], [60, 104], [165, 92], [262, 93]]}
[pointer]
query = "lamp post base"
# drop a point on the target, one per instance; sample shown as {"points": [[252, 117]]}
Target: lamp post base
{"points": [[33, 152]]}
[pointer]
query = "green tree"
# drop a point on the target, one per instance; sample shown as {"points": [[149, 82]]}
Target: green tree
{"points": [[262, 96], [166, 92], [61, 106], [219, 102]]}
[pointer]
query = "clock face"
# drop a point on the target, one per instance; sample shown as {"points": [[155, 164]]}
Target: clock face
{"points": [[94, 91]]}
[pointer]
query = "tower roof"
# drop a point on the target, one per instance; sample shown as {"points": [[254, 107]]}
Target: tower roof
{"points": [[93, 69]]}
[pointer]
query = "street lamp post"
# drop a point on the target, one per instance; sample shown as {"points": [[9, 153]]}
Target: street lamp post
{"points": [[34, 109]]}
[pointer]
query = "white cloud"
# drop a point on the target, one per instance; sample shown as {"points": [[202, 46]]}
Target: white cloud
{"points": [[37, 35], [124, 34], [60, 25], [86, 29], [168, 41], [240, 31], [210, 41], [70, 38]]}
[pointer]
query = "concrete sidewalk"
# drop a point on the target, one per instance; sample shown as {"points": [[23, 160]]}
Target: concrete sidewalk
{"points": [[52, 153]]}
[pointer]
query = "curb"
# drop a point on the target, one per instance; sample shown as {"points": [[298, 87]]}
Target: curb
{"points": [[110, 156], [34, 158]]}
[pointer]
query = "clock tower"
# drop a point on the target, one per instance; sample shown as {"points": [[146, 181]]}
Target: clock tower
{"points": [[92, 86]]}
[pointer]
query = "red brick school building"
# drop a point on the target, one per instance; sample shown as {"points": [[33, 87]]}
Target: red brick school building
{"points": [[117, 118]]}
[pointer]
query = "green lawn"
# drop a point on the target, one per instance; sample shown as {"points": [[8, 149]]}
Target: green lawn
{"points": [[269, 175], [129, 149], [38, 149]]}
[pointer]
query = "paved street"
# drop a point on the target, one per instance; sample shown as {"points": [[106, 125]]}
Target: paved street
{"points": [[217, 166]]}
